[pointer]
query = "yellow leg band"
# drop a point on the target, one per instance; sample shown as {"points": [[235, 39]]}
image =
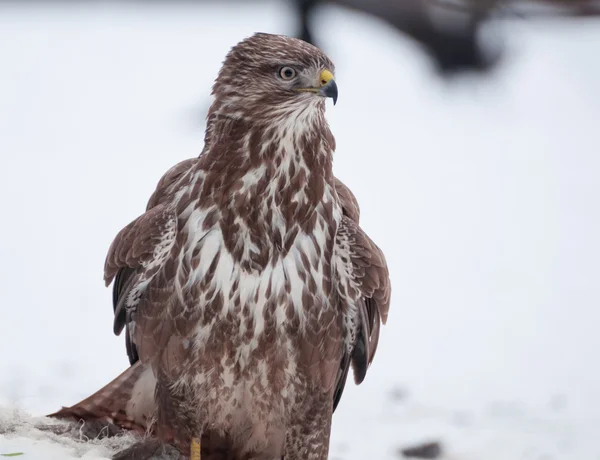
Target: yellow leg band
{"points": [[195, 449]]}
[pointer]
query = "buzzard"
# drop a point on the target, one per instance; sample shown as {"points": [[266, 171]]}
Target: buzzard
{"points": [[247, 289]]}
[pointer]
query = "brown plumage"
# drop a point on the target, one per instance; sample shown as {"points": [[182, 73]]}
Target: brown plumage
{"points": [[247, 288]]}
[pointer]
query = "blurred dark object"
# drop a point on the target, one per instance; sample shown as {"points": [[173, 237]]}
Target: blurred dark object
{"points": [[427, 450], [398, 394], [573, 8], [450, 30], [449, 35]]}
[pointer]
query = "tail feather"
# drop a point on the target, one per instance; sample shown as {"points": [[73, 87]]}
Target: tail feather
{"points": [[127, 401]]}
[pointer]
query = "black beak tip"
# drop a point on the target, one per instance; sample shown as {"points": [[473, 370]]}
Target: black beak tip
{"points": [[330, 90]]}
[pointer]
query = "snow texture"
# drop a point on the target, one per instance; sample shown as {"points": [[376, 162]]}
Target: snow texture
{"points": [[483, 195], [42, 437]]}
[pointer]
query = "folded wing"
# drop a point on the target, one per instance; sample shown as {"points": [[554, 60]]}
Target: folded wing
{"points": [[364, 290], [140, 250]]}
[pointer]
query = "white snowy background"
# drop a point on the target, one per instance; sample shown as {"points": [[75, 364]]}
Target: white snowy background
{"points": [[484, 195]]}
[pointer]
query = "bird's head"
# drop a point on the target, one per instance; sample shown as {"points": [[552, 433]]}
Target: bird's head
{"points": [[267, 75]]}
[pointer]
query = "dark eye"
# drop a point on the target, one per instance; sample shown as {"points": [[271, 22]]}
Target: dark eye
{"points": [[287, 73]]}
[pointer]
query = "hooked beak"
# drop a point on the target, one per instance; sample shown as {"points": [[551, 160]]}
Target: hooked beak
{"points": [[326, 88]]}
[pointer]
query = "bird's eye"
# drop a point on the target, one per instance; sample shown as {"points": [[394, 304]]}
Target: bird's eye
{"points": [[287, 73]]}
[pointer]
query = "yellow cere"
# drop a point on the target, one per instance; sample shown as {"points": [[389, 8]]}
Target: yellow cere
{"points": [[326, 77]]}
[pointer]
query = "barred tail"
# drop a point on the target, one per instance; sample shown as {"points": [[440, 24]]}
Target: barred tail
{"points": [[127, 401]]}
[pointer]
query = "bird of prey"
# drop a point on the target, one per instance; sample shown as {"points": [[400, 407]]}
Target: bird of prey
{"points": [[247, 289]]}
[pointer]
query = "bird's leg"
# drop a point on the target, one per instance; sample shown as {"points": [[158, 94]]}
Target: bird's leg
{"points": [[195, 449]]}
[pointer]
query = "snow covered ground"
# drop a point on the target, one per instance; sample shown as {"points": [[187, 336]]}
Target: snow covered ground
{"points": [[483, 194]]}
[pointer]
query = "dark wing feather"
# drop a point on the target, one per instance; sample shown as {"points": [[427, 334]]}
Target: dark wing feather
{"points": [[123, 282], [370, 272], [341, 379], [133, 249]]}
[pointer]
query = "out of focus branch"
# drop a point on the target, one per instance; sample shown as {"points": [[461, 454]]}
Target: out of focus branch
{"points": [[570, 8], [449, 30], [527, 9], [452, 42]]}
